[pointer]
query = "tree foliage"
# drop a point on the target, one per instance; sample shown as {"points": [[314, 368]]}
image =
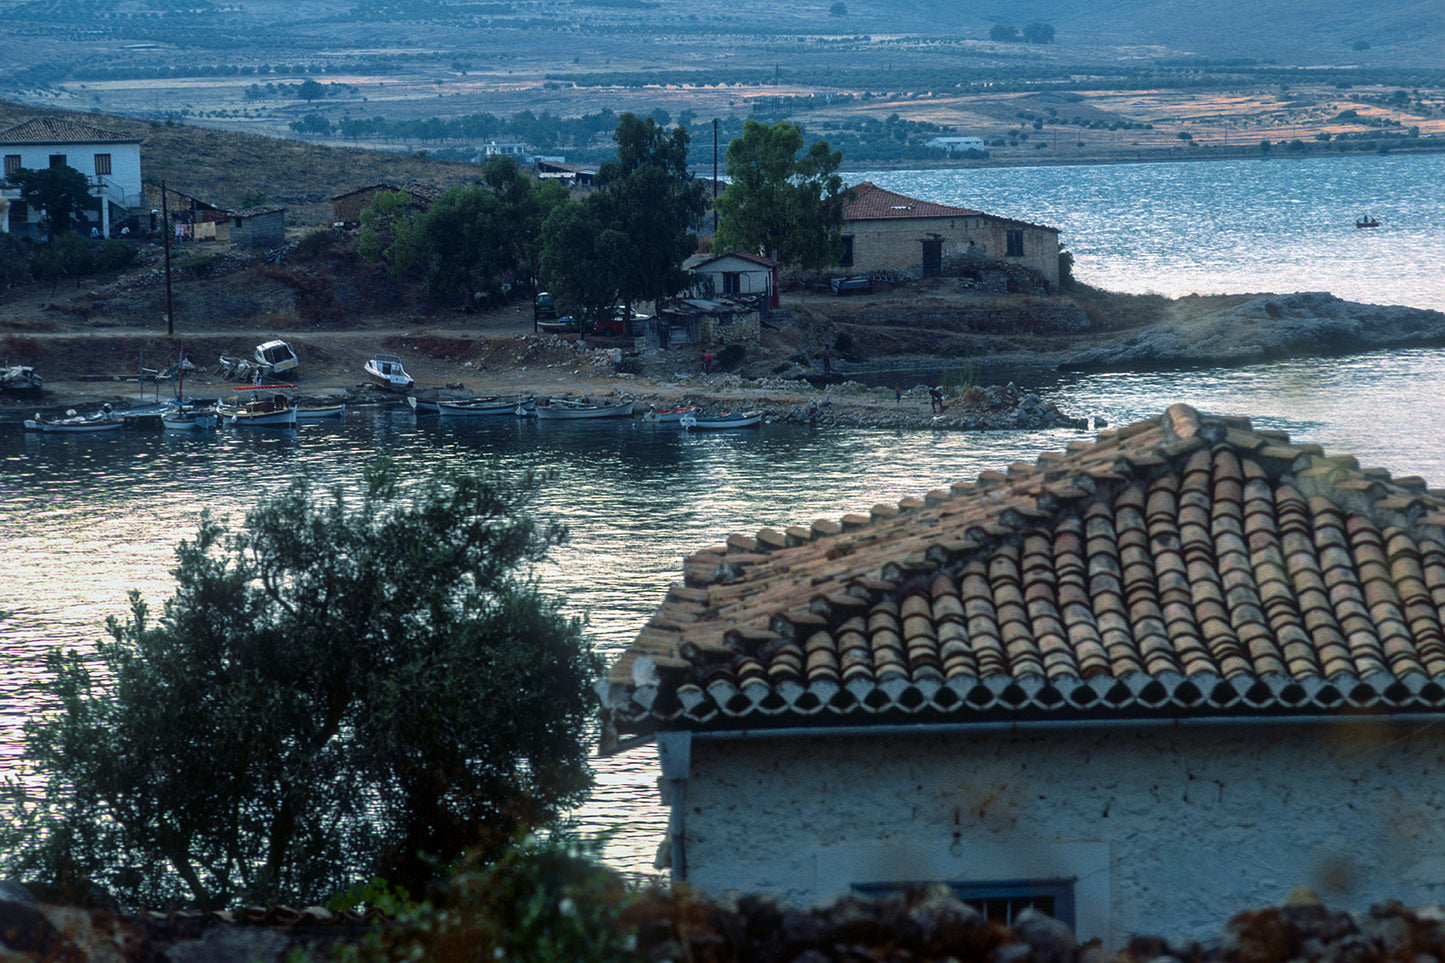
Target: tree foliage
{"points": [[345, 687], [779, 203], [626, 241], [62, 192], [478, 240], [656, 203]]}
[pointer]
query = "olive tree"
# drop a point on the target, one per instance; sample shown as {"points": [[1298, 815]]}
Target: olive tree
{"points": [[780, 202], [345, 687]]}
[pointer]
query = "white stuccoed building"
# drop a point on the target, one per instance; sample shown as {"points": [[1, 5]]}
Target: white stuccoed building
{"points": [[109, 161], [1143, 685]]}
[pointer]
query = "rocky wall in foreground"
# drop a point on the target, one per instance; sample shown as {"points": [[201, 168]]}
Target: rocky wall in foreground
{"points": [[919, 927]]}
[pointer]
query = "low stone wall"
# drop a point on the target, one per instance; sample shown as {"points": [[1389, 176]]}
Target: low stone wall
{"points": [[924, 926]]}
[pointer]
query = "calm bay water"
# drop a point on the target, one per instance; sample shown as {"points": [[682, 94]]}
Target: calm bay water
{"points": [[1271, 224], [85, 519]]}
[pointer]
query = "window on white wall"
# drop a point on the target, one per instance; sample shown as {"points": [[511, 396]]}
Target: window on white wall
{"points": [[1001, 901], [102, 164], [12, 164]]}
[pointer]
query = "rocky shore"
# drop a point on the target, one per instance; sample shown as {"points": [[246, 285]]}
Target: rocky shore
{"points": [[1268, 328]]}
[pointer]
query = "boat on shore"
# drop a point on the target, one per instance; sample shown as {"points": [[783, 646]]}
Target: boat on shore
{"points": [[387, 373], [105, 418], [563, 409], [740, 419], [21, 380], [259, 410], [495, 406]]}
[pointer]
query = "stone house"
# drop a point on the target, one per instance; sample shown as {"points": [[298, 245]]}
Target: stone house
{"points": [[109, 161], [1142, 684], [888, 232], [737, 274], [346, 208], [711, 323]]}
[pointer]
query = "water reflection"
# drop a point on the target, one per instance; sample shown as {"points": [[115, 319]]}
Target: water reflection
{"points": [[85, 519]]}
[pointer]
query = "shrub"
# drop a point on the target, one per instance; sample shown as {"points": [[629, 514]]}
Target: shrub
{"points": [[731, 356], [629, 366]]}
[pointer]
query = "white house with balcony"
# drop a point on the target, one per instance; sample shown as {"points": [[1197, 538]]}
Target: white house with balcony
{"points": [[110, 161]]}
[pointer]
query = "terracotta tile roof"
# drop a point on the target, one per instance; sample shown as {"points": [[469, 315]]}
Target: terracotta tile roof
{"points": [[1187, 565], [50, 130], [871, 202]]}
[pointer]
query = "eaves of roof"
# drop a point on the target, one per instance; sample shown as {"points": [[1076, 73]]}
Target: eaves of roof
{"points": [[873, 203], [50, 130], [1187, 566]]}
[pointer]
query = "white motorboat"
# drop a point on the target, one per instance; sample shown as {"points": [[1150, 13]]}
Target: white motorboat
{"points": [[275, 358], [385, 370]]}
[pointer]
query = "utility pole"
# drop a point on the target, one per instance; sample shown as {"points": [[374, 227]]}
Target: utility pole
{"points": [[714, 177], [166, 246]]}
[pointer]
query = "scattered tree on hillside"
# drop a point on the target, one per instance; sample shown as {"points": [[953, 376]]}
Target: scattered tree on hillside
{"points": [[348, 686], [1004, 33], [1038, 33], [62, 192], [778, 203]]}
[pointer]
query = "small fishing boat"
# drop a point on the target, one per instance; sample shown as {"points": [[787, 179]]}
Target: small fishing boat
{"points": [[1366, 221], [668, 416], [561, 408], [190, 417], [486, 407], [259, 410], [743, 419], [386, 372], [105, 419], [320, 412]]}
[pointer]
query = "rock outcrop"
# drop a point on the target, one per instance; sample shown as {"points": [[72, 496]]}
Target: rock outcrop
{"points": [[1269, 328]]}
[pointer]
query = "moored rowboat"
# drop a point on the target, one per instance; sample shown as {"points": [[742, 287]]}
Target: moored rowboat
{"points": [[745, 419], [562, 409]]}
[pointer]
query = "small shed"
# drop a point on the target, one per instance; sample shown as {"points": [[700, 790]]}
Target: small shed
{"points": [[346, 208], [737, 274], [259, 227]]}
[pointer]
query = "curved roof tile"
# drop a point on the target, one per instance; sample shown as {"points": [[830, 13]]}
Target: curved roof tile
{"points": [[1187, 565]]}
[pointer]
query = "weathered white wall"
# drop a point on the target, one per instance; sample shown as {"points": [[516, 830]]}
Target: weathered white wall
{"points": [[1171, 830], [896, 244]]}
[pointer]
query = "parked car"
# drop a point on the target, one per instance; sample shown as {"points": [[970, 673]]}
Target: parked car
{"points": [[617, 323], [544, 308]]}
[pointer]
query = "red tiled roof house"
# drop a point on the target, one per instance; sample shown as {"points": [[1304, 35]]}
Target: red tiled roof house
{"points": [[885, 231], [1143, 684]]}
